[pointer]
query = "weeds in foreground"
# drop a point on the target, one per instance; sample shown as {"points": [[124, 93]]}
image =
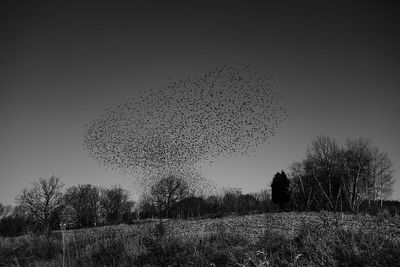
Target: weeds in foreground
{"points": [[326, 241]]}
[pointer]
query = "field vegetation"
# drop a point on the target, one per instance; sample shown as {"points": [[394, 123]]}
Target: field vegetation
{"points": [[271, 239]]}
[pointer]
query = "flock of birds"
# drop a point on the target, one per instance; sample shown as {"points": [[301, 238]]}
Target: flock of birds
{"points": [[225, 112]]}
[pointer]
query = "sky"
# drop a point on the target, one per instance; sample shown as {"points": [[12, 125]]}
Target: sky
{"points": [[336, 63]]}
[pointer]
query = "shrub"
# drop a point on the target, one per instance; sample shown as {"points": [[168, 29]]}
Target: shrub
{"points": [[30, 248]]}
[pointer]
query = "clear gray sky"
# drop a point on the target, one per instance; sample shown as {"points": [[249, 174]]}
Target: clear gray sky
{"points": [[62, 62]]}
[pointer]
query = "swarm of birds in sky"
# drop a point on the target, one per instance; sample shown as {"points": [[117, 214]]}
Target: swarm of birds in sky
{"points": [[225, 112]]}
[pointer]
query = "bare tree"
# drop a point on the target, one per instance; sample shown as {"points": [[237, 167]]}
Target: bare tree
{"points": [[146, 206], [264, 198], [302, 187], [322, 163], [369, 173], [230, 200], [342, 177], [382, 175], [168, 191], [247, 203], [43, 199], [356, 182], [84, 199], [115, 205]]}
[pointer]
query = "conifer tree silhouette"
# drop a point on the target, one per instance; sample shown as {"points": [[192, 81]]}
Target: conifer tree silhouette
{"points": [[280, 189]]}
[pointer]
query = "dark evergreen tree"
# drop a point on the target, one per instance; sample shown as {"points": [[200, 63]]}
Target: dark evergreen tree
{"points": [[280, 189]]}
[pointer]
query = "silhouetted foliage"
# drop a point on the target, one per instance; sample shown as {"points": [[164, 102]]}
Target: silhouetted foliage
{"points": [[214, 204], [304, 190], [280, 189], [167, 192], [115, 206], [85, 203], [43, 200], [264, 201], [247, 203], [189, 207], [230, 200], [17, 222]]}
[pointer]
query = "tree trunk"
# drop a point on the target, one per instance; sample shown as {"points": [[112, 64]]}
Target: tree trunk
{"points": [[354, 191]]}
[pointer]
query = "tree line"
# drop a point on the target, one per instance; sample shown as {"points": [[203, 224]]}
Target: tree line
{"points": [[45, 206], [330, 177]]}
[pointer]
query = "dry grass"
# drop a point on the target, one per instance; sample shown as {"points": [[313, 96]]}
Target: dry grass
{"points": [[291, 239]]}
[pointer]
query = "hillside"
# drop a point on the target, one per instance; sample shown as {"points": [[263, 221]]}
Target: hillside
{"points": [[301, 239]]}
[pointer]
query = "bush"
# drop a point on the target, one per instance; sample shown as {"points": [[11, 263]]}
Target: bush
{"points": [[10, 226], [30, 248], [17, 225]]}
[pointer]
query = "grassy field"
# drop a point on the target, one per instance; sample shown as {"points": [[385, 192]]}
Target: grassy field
{"points": [[288, 239]]}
